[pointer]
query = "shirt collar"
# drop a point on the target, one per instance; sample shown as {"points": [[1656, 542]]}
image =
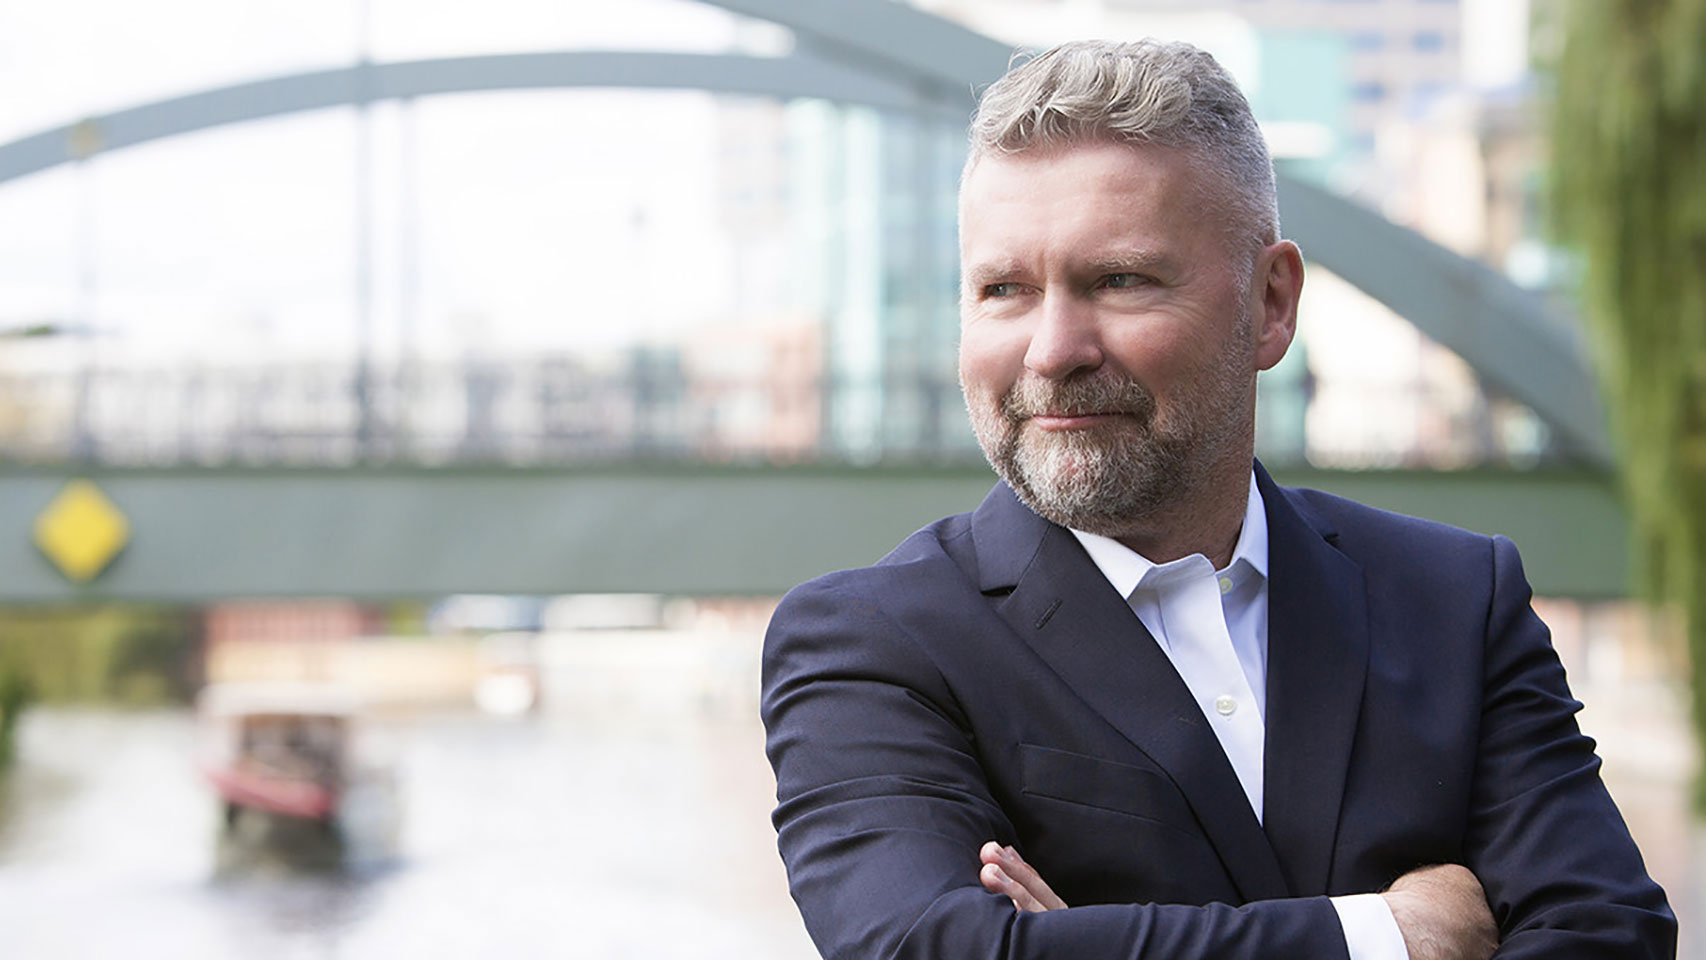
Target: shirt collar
{"points": [[1125, 567]]}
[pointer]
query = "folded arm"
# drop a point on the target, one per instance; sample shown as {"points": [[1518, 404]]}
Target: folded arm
{"points": [[1564, 879], [1440, 910], [883, 805]]}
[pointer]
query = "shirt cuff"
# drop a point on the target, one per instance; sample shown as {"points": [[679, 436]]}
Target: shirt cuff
{"points": [[1370, 931]]}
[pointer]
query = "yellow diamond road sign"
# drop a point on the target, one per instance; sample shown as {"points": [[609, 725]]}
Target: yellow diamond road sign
{"points": [[81, 531]]}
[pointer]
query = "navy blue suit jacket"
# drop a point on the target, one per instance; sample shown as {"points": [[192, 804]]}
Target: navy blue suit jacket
{"points": [[984, 681]]}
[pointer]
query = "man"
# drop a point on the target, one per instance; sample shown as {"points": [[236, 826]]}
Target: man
{"points": [[1214, 716]]}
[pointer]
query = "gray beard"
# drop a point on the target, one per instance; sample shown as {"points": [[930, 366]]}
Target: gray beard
{"points": [[1101, 479]]}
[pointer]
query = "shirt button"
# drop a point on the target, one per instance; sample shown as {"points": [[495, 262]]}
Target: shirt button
{"points": [[1225, 585], [1225, 705]]}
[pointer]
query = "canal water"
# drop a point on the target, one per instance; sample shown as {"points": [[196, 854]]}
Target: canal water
{"points": [[627, 818], [615, 833]]}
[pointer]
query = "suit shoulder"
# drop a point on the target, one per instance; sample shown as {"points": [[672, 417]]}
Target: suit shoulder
{"points": [[876, 621], [940, 540], [1385, 541], [931, 560], [1359, 522]]}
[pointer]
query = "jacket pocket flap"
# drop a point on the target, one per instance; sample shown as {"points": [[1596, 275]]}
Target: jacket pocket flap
{"points": [[1092, 781]]}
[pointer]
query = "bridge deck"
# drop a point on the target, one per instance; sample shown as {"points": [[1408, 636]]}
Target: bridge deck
{"points": [[397, 532]]}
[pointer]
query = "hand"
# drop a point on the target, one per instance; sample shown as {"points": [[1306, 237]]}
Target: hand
{"points": [[1005, 872], [1442, 913]]}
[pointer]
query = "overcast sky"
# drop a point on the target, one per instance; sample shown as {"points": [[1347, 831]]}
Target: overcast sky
{"points": [[543, 219], [526, 226]]}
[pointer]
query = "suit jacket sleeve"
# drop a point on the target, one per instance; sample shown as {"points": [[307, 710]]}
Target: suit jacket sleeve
{"points": [[883, 804], [1561, 873]]}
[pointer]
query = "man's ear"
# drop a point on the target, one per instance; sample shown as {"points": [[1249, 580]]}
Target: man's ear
{"points": [[1276, 284]]}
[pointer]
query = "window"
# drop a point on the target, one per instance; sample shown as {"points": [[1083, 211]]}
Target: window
{"points": [[1368, 40], [1369, 91], [1428, 41]]}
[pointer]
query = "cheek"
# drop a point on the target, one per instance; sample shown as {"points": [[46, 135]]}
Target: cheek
{"points": [[989, 365], [1167, 349], [1158, 356]]}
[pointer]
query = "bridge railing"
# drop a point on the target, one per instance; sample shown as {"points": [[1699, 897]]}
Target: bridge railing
{"points": [[554, 410]]}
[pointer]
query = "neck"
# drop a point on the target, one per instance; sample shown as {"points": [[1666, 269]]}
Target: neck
{"points": [[1208, 522]]}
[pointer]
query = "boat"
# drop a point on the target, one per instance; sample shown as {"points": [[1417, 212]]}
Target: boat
{"points": [[283, 761]]}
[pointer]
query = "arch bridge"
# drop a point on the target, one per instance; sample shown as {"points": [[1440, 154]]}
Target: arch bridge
{"points": [[200, 534]]}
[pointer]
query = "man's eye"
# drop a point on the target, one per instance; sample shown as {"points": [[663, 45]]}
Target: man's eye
{"points": [[1120, 281], [997, 290]]}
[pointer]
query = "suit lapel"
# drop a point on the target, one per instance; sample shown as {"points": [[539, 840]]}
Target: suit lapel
{"points": [[1064, 608], [1317, 664]]}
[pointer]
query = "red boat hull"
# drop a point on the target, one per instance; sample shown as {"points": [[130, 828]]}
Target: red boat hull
{"points": [[290, 798]]}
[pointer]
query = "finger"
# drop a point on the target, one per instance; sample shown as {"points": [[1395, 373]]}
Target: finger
{"points": [[996, 880], [990, 852], [1015, 868]]}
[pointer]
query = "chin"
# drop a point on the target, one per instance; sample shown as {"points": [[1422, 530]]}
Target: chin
{"points": [[1096, 482]]}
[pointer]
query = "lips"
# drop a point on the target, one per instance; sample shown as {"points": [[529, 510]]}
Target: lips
{"points": [[1075, 421], [1066, 414]]}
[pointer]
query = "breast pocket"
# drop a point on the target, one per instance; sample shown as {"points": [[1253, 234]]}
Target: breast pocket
{"points": [[1134, 791]]}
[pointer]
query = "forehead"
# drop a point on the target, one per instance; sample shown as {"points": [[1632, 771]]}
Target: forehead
{"points": [[1089, 194]]}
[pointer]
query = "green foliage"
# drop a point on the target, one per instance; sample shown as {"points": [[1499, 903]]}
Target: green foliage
{"points": [[135, 656], [132, 656], [15, 694], [1629, 168], [406, 619]]}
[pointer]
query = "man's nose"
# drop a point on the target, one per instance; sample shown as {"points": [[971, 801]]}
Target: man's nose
{"points": [[1066, 340]]}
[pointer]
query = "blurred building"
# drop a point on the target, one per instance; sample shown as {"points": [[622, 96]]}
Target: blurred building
{"points": [[756, 390], [294, 620], [1394, 53], [828, 279]]}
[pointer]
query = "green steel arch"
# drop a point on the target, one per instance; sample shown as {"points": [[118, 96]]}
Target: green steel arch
{"points": [[887, 55], [785, 77], [1515, 340]]}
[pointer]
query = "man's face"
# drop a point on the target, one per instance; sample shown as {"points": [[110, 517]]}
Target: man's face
{"points": [[1107, 351]]}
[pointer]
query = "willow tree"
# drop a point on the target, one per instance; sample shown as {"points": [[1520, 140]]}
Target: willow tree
{"points": [[1629, 170]]}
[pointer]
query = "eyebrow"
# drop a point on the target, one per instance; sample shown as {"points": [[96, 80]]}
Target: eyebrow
{"points": [[979, 275], [984, 274], [1137, 260], [1128, 261]]}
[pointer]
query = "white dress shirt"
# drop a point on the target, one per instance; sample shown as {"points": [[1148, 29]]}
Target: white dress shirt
{"points": [[1221, 652]]}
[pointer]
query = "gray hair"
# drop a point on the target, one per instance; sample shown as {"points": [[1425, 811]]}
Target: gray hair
{"points": [[1146, 91]]}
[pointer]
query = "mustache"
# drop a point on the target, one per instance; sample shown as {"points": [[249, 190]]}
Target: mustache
{"points": [[1077, 396]]}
